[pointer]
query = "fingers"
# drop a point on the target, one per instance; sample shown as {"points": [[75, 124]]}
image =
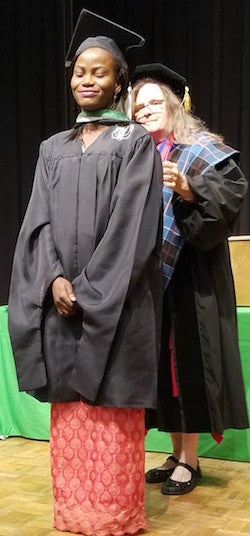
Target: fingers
{"points": [[64, 297], [170, 181], [66, 312], [174, 179], [170, 174]]}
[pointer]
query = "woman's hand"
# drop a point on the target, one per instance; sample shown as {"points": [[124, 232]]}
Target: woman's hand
{"points": [[174, 179], [64, 297]]}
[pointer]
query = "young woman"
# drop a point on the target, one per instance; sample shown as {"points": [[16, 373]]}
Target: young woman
{"points": [[85, 298], [200, 379]]}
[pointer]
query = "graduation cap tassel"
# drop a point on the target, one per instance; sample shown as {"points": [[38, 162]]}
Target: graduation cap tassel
{"points": [[186, 101]]}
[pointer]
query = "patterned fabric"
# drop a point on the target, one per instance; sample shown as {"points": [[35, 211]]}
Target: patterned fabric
{"points": [[172, 242], [191, 160], [97, 464]]}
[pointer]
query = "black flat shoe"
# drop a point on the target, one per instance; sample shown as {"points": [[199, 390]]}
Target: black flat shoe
{"points": [[153, 476], [173, 487]]}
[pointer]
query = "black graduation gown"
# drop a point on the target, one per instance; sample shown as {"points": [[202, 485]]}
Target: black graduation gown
{"points": [[94, 217], [200, 307]]}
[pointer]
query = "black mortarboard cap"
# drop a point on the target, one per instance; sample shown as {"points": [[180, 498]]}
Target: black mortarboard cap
{"points": [[161, 73], [93, 30]]}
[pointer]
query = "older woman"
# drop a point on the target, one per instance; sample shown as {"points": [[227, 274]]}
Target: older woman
{"points": [[85, 298], [200, 378]]}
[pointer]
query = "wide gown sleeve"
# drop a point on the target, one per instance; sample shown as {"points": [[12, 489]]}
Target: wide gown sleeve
{"points": [[219, 193], [118, 261], [35, 266]]}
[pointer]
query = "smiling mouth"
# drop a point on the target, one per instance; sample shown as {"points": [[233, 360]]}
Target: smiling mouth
{"points": [[88, 93]]}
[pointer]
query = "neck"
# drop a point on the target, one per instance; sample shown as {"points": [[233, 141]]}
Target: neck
{"points": [[160, 136]]}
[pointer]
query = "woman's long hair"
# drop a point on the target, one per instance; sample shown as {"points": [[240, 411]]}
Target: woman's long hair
{"points": [[185, 126]]}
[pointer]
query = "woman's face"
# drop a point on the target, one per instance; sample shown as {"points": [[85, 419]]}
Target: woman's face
{"points": [[94, 79], [150, 110]]}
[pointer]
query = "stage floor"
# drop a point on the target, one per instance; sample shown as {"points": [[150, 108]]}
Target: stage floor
{"points": [[218, 506]]}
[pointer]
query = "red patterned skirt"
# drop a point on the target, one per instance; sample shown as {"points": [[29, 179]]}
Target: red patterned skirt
{"points": [[97, 465]]}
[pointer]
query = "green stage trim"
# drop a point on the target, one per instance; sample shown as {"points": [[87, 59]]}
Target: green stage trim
{"points": [[236, 443], [22, 415]]}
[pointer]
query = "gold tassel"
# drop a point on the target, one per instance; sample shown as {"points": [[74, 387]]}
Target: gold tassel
{"points": [[186, 101]]}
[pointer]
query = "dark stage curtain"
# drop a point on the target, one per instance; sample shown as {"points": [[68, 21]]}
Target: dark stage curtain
{"points": [[207, 41], [34, 104]]}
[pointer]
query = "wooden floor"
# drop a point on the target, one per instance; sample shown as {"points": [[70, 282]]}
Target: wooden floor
{"points": [[219, 506]]}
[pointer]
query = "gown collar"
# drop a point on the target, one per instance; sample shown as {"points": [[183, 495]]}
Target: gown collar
{"points": [[101, 116]]}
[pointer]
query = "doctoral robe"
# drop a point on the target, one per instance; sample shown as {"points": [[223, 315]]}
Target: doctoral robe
{"points": [[199, 308]]}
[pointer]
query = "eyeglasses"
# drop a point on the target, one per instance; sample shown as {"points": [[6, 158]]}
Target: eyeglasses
{"points": [[152, 106]]}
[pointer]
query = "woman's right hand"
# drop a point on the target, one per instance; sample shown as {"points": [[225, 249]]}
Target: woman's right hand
{"points": [[63, 296], [176, 181]]}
